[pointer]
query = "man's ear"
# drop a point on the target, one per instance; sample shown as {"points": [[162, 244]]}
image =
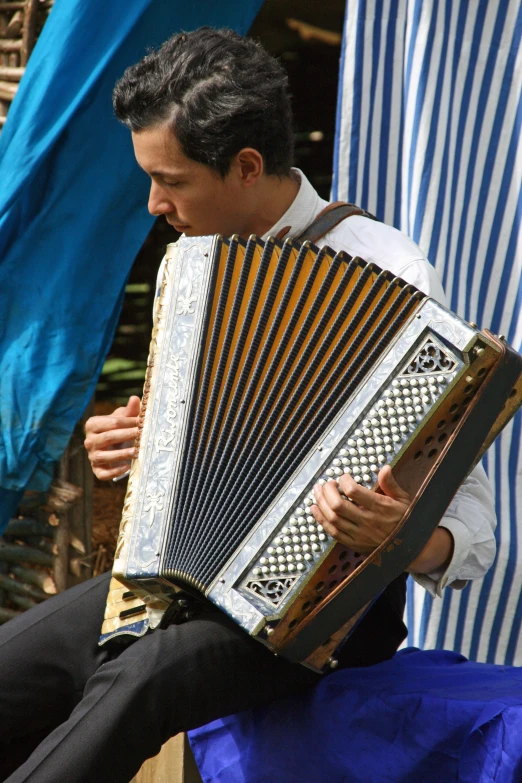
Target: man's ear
{"points": [[249, 166]]}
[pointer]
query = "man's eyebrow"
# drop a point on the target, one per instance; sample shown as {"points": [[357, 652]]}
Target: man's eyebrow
{"points": [[166, 173]]}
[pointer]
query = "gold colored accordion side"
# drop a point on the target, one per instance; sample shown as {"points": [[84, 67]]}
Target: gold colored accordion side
{"points": [[273, 367]]}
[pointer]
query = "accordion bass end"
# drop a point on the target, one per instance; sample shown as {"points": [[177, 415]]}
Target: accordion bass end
{"points": [[274, 367]]}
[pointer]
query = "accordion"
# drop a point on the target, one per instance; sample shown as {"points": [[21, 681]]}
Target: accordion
{"points": [[275, 366]]}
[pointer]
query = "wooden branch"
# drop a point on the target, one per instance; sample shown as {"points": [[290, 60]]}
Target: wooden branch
{"points": [[60, 564], [43, 544], [39, 578], [29, 31], [4, 568], [309, 32], [10, 44], [7, 91], [15, 553], [23, 602], [63, 495], [77, 563], [11, 74], [7, 614], [77, 544], [14, 28], [100, 565], [60, 499], [76, 474], [28, 527], [11, 585]]}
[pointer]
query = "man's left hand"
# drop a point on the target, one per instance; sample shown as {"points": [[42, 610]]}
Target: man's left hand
{"points": [[363, 522]]}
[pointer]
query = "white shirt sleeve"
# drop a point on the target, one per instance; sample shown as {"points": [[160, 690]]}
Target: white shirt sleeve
{"points": [[470, 517], [471, 520]]}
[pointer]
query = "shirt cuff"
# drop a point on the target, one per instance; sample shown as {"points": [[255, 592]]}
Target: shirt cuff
{"points": [[436, 581]]}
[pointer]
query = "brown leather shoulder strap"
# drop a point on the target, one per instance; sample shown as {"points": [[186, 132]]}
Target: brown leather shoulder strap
{"points": [[330, 217]]}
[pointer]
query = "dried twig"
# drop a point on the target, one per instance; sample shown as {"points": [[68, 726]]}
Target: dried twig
{"points": [[309, 32]]}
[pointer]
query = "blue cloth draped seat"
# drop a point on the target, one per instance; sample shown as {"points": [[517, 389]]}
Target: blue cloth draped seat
{"points": [[422, 717]]}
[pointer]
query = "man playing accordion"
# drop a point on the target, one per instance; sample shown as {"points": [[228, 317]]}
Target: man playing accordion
{"points": [[211, 125]]}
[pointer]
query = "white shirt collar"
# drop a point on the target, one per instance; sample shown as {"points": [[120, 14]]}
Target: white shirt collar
{"points": [[302, 211]]}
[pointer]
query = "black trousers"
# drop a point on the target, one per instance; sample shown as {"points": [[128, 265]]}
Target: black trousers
{"points": [[72, 712]]}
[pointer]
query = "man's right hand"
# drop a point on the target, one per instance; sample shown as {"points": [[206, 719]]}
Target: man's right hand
{"points": [[110, 440]]}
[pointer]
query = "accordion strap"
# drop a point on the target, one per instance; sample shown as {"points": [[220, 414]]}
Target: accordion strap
{"points": [[330, 217]]}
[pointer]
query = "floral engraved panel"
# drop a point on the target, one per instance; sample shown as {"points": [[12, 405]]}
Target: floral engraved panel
{"points": [[186, 301], [430, 359], [273, 590], [181, 311]]}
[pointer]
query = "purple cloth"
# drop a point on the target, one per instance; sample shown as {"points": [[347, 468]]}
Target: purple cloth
{"points": [[424, 716]]}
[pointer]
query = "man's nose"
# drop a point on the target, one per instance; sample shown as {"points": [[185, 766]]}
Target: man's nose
{"points": [[158, 204]]}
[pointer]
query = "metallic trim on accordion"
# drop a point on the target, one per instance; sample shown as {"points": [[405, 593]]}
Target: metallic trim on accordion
{"points": [[180, 311], [251, 610], [138, 629]]}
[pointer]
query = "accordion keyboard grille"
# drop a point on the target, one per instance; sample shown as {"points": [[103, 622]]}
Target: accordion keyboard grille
{"points": [[289, 334]]}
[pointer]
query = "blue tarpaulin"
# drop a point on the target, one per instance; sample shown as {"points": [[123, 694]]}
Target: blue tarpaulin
{"points": [[422, 717], [72, 218]]}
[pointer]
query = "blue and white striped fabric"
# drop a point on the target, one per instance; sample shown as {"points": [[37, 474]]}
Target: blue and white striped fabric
{"points": [[428, 139]]}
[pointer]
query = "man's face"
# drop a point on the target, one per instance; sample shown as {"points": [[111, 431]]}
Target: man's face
{"points": [[192, 196]]}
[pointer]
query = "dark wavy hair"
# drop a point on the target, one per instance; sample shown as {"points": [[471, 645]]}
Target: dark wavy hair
{"points": [[218, 92]]}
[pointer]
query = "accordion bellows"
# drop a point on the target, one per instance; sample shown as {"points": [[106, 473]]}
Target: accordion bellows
{"points": [[274, 366]]}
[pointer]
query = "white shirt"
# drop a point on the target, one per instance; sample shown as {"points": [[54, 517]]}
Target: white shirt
{"points": [[470, 517]]}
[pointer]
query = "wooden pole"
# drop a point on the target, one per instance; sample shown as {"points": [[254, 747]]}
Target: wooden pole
{"points": [[10, 44], [29, 30], [75, 512], [61, 560], [80, 515], [8, 91]]}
